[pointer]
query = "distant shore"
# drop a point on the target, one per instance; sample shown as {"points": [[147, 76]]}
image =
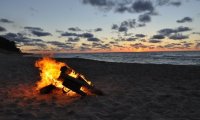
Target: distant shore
{"points": [[133, 91]]}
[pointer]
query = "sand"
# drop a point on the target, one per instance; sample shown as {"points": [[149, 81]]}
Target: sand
{"points": [[133, 92]]}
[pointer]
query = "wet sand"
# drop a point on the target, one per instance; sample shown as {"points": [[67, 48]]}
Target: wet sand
{"points": [[133, 92]]}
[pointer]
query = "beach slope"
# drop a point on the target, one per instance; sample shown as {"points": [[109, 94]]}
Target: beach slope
{"points": [[133, 91]]}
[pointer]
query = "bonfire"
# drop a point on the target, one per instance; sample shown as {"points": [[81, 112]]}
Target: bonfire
{"points": [[50, 70]]}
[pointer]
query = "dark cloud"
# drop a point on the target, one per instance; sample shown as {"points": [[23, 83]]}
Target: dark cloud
{"points": [[125, 25], [113, 42], [40, 45], [123, 29], [83, 48], [176, 3], [131, 6], [33, 28], [101, 3], [144, 18], [158, 37], [121, 9], [3, 20], [37, 31], [86, 35], [162, 2], [168, 2], [100, 46], [98, 29], [2, 29], [93, 39], [197, 33], [10, 35], [130, 39], [168, 31], [172, 45], [138, 45], [186, 44], [74, 29], [40, 33], [178, 37], [73, 39], [86, 45], [183, 29], [21, 40], [60, 45], [115, 27], [69, 34], [154, 41], [140, 35], [142, 6], [185, 19], [141, 25]]}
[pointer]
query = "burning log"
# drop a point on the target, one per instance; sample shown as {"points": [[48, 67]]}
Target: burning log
{"points": [[59, 75]]}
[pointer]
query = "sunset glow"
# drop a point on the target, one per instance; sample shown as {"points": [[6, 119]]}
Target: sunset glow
{"points": [[82, 26]]}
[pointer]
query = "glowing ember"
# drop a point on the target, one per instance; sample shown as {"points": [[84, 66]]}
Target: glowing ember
{"points": [[50, 71]]}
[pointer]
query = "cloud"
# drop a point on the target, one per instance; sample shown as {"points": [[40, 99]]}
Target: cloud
{"points": [[186, 44], [21, 40], [100, 46], [141, 25], [181, 45], [115, 27], [172, 45], [74, 29], [33, 28], [197, 33], [37, 31], [197, 46], [2, 29], [60, 45], [158, 37], [101, 3], [125, 25], [131, 39], [3, 20], [142, 6], [185, 19], [68, 34], [183, 29], [144, 18], [93, 39], [83, 48], [178, 37], [84, 35], [138, 45], [168, 2], [123, 29], [73, 39], [154, 41], [40, 45], [98, 29], [40, 33], [176, 3], [140, 35], [168, 31]]}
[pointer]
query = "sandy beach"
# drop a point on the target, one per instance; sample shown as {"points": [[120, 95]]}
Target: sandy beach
{"points": [[133, 92]]}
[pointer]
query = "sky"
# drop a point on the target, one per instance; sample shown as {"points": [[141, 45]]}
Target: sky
{"points": [[101, 25]]}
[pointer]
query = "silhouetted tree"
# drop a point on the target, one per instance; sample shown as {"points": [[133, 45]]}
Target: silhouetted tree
{"points": [[8, 45]]}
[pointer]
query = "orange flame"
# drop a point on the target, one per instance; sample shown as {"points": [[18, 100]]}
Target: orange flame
{"points": [[50, 71]]}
